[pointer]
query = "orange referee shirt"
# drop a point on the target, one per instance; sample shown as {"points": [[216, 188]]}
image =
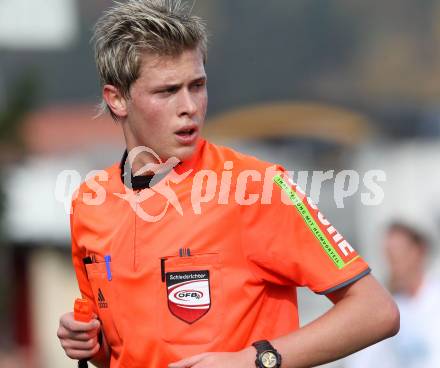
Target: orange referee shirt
{"points": [[208, 259]]}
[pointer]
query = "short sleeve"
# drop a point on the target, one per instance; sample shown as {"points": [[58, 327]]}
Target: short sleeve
{"points": [[288, 241]]}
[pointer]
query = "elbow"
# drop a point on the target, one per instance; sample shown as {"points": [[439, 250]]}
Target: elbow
{"points": [[391, 319]]}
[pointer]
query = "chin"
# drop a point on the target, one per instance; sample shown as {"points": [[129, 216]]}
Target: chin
{"points": [[184, 153]]}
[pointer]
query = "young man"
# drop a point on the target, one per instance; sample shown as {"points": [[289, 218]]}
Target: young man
{"points": [[200, 268], [417, 294]]}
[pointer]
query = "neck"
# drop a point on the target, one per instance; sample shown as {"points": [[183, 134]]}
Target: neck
{"points": [[410, 286], [415, 285], [139, 163], [144, 161], [140, 158]]}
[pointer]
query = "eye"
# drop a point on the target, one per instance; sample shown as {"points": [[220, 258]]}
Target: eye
{"points": [[199, 84], [171, 90], [168, 91]]}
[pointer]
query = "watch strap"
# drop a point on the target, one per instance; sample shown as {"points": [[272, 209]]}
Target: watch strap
{"points": [[265, 346], [262, 345]]}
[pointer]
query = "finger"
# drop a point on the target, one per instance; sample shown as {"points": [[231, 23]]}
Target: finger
{"points": [[64, 333], [201, 364], [68, 318], [79, 345], [77, 326], [188, 362], [82, 354]]}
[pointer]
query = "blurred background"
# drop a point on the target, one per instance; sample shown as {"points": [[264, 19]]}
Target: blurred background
{"points": [[313, 85]]}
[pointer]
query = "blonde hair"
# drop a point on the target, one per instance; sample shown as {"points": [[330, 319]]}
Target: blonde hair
{"points": [[162, 27]]}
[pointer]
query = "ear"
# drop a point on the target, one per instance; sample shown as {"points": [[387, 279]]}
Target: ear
{"points": [[115, 101]]}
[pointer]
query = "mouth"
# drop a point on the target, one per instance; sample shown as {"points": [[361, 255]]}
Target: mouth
{"points": [[187, 132], [187, 136]]}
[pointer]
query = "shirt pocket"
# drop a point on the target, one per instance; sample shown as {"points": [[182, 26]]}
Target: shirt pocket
{"points": [[105, 300], [190, 301]]}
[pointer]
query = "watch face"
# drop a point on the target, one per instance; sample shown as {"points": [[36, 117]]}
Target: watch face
{"points": [[268, 359]]}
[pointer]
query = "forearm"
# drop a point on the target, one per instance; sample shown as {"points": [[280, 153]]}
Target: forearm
{"points": [[354, 323]]}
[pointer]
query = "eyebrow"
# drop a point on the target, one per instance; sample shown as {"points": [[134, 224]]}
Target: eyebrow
{"points": [[178, 86]]}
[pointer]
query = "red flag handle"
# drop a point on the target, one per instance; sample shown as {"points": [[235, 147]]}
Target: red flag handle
{"points": [[83, 312]]}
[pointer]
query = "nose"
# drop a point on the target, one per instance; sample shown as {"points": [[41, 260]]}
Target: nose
{"points": [[187, 104]]}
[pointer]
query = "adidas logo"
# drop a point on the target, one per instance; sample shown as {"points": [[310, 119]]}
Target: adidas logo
{"points": [[101, 300]]}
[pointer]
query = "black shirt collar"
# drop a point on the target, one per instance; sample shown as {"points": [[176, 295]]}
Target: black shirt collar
{"points": [[137, 182]]}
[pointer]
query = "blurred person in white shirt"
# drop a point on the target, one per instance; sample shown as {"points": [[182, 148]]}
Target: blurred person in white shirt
{"points": [[417, 294]]}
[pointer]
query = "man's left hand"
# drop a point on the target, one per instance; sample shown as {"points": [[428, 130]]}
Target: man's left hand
{"points": [[241, 359]]}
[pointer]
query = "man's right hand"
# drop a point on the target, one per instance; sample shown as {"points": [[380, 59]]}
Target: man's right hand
{"points": [[79, 339]]}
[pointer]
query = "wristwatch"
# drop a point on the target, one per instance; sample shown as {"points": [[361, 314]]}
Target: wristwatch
{"points": [[267, 356]]}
